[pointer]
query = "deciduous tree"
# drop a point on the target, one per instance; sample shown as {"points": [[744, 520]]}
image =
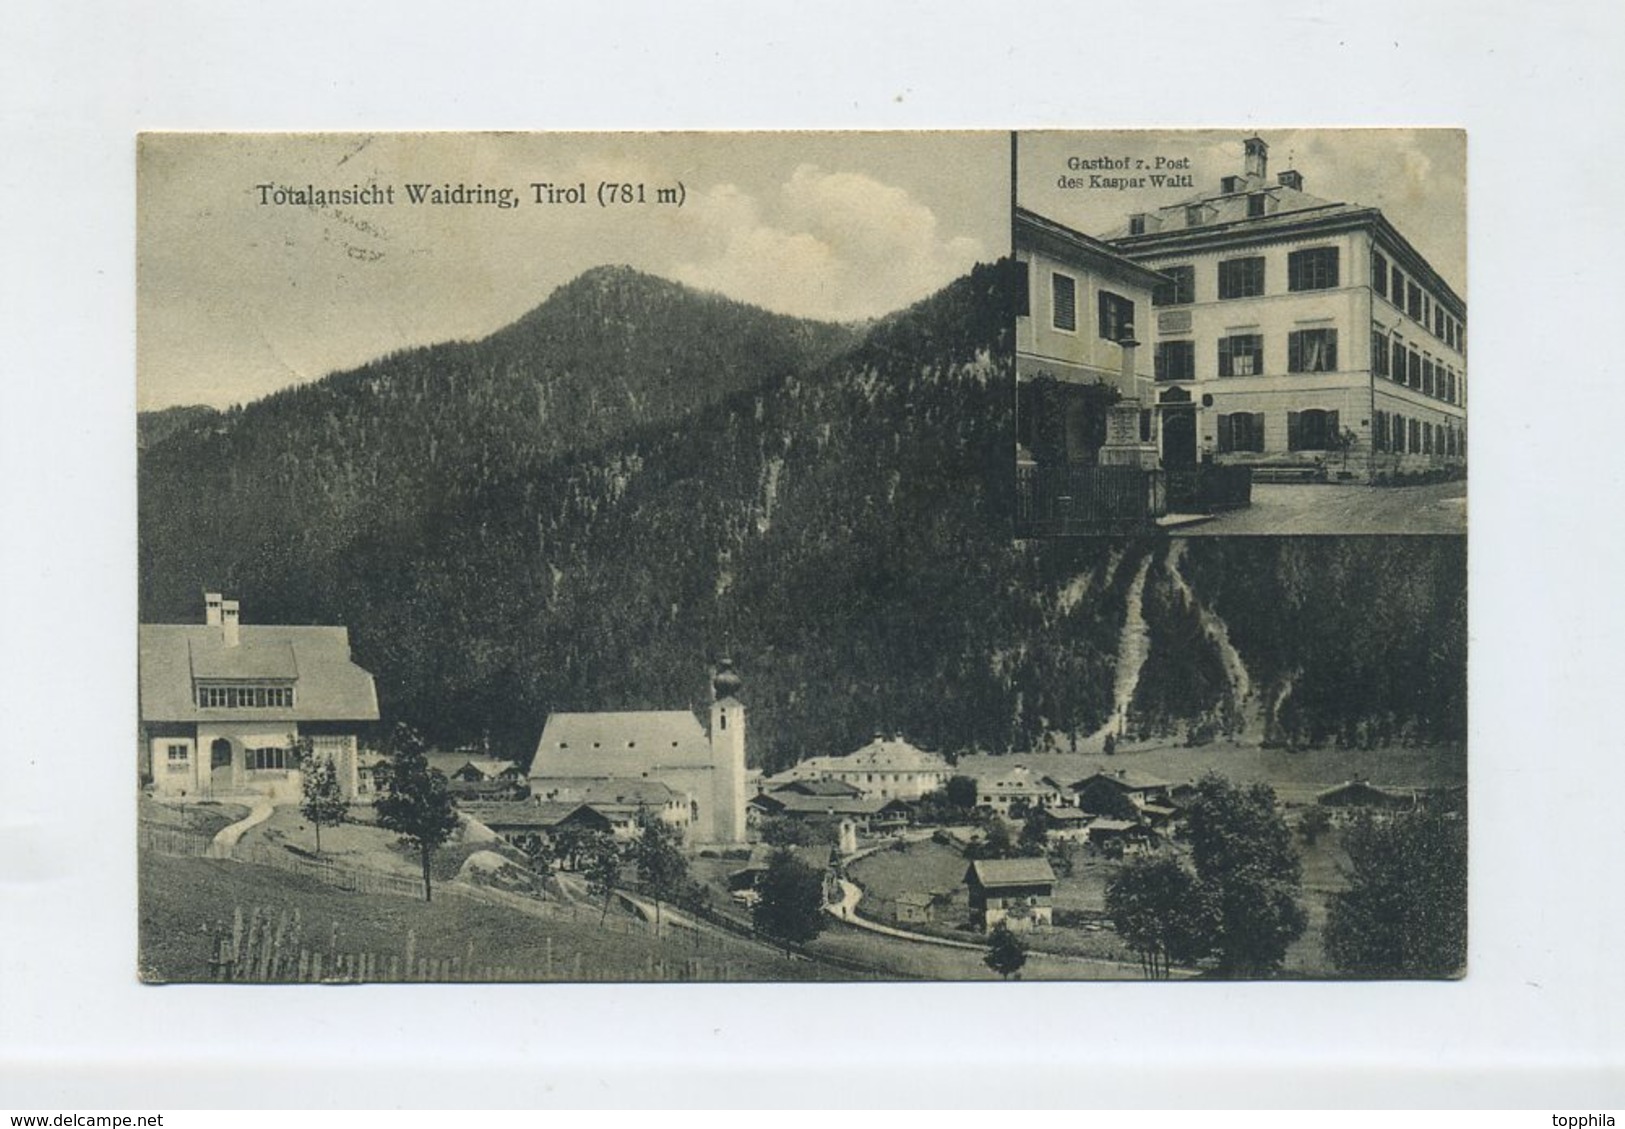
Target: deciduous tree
{"points": [[601, 864], [321, 800], [961, 792], [1249, 874], [1157, 907], [791, 909], [1006, 953], [1405, 911], [415, 801], [662, 866]]}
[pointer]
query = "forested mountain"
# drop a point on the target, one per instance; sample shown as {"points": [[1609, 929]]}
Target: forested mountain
{"points": [[152, 428], [371, 448], [571, 516]]}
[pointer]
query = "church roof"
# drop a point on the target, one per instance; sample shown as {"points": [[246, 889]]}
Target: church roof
{"points": [[328, 685], [620, 744]]}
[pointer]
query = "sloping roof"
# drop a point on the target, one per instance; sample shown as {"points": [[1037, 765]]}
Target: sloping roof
{"points": [[886, 754], [620, 744], [1355, 791], [1034, 232], [796, 804], [1284, 204], [1066, 815], [328, 685], [816, 855], [1059, 768], [1128, 779], [819, 788], [990, 873], [1112, 825], [603, 791], [519, 814], [450, 764]]}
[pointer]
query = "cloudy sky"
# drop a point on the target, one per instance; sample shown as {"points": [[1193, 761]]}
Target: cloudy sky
{"points": [[1417, 177], [237, 298]]}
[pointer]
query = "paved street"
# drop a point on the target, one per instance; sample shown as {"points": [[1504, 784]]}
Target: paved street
{"points": [[1338, 509]]}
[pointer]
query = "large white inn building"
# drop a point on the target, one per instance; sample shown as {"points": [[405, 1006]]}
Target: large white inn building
{"points": [[1310, 335]]}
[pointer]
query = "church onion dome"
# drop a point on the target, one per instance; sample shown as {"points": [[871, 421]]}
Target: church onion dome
{"points": [[727, 682]]}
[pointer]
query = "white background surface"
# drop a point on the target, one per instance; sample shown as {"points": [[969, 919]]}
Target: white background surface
{"points": [[1537, 1022]]}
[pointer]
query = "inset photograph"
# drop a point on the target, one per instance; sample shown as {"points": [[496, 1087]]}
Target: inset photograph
{"points": [[1241, 333]]}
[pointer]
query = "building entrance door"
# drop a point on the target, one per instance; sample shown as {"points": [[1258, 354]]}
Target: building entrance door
{"points": [[220, 775], [1178, 437]]}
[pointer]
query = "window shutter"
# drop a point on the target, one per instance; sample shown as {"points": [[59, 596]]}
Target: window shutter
{"points": [[1258, 432], [1226, 433], [1292, 431]]}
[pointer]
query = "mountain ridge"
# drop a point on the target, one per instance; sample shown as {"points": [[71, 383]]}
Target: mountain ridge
{"points": [[843, 528]]}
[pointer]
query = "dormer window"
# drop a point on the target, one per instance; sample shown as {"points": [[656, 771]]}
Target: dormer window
{"points": [[237, 697], [1193, 215], [1136, 225], [1255, 205]]}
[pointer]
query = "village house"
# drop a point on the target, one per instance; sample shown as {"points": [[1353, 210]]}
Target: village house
{"points": [[870, 815], [887, 767], [1065, 823], [819, 858], [527, 824], [1117, 838], [621, 801], [223, 705], [704, 771], [1362, 794], [1017, 892], [1020, 788], [1139, 788], [1298, 335], [479, 777]]}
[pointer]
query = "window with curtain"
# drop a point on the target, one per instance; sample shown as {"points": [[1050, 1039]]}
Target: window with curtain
{"points": [[1241, 355], [1312, 350]]}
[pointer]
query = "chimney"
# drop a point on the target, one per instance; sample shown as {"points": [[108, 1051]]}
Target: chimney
{"points": [[228, 621], [211, 609], [1292, 178], [1258, 157]]}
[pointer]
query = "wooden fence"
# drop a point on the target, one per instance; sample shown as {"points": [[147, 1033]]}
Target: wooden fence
{"points": [[268, 947], [183, 842], [355, 879]]}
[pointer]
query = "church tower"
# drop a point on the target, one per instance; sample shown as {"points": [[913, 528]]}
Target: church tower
{"points": [[727, 756]]}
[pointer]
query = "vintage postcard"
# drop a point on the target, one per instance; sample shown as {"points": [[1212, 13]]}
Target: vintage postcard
{"points": [[1237, 333], [656, 557]]}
